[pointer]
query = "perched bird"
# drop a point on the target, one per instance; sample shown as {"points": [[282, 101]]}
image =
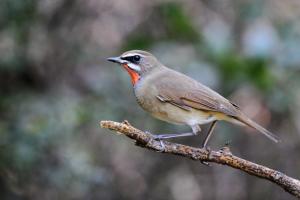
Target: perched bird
{"points": [[176, 98]]}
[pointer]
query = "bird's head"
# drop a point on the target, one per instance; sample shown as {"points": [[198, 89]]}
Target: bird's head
{"points": [[136, 63]]}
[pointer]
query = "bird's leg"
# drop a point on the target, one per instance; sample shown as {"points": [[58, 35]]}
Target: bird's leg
{"points": [[196, 129], [160, 137], [210, 131], [175, 135]]}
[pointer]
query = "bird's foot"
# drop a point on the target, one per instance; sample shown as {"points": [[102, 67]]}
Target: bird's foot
{"points": [[158, 138], [162, 145], [206, 148], [205, 163]]}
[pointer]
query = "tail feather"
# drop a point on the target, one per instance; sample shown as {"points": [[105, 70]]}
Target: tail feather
{"points": [[247, 121]]}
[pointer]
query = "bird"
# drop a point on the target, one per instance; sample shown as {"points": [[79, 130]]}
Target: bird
{"points": [[176, 98]]}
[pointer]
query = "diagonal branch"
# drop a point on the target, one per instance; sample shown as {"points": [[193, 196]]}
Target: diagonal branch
{"points": [[222, 156]]}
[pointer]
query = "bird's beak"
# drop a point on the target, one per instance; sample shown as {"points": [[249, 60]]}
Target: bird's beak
{"points": [[116, 60]]}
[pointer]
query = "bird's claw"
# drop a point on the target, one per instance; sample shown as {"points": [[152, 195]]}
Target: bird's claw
{"points": [[158, 138], [162, 145], [205, 163], [206, 148]]}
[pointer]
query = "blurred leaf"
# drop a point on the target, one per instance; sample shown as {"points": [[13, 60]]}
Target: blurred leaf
{"points": [[258, 72], [231, 65], [178, 25], [17, 13]]}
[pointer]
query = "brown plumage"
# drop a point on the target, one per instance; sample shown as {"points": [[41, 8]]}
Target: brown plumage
{"points": [[176, 98]]}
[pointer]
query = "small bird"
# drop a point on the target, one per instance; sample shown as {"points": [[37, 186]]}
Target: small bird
{"points": [[178, 99]]}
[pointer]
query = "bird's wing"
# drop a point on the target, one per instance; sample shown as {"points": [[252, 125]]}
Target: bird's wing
{"points": [[191, 94]]}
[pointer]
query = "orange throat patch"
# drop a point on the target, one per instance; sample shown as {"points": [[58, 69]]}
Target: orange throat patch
{"points": [[133, 74]]}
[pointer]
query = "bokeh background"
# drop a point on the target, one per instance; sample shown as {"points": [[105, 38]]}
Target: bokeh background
{"points": [[55, 87]]}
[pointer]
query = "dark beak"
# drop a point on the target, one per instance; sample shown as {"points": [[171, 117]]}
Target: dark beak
{"points": [[115, 60]]}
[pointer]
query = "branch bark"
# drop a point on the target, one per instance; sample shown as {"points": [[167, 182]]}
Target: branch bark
{"points": [[222, 156]]}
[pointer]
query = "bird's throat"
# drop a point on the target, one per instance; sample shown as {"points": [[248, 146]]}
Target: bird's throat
{"points": [[133, 74]]}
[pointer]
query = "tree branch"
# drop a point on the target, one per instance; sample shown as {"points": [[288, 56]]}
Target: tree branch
{"points": [[222, 156]]}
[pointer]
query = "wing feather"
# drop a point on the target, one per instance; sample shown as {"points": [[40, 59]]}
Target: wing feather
{"points": [[192, 94]]}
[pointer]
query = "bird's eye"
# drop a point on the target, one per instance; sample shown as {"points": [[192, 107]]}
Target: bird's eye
{"points": [[136, 58]]}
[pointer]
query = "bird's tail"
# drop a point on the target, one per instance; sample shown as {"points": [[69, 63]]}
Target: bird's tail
{"points": [[247, 121]]}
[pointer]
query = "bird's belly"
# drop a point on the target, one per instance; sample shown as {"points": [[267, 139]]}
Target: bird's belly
{"points": [[172, 114]]}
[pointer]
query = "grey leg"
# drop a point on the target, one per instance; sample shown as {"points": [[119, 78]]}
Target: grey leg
{"points": [[210, 131], [196, 130], [175, 135]]}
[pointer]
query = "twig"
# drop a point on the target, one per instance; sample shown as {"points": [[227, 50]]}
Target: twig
{"points": [[222, 156]]}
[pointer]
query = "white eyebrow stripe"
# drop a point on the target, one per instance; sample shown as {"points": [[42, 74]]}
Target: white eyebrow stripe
{"points": [[134, 67], [132, 54]]}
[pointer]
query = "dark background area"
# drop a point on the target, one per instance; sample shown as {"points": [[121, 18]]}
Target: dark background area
{"points": [[56, 85]]}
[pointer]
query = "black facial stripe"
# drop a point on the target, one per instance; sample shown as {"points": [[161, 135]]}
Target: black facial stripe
{"points": [[133, 59]]}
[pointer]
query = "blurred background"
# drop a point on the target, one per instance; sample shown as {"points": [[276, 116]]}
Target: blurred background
{"points": [[55, 87]]}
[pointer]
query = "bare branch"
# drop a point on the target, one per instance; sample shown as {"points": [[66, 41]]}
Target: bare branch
{"points": [[222, 156]]}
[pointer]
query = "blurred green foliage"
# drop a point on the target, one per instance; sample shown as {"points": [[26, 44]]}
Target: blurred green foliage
{"points": [[235, 69], [16, 17], [178, 25], [167, 22]]}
